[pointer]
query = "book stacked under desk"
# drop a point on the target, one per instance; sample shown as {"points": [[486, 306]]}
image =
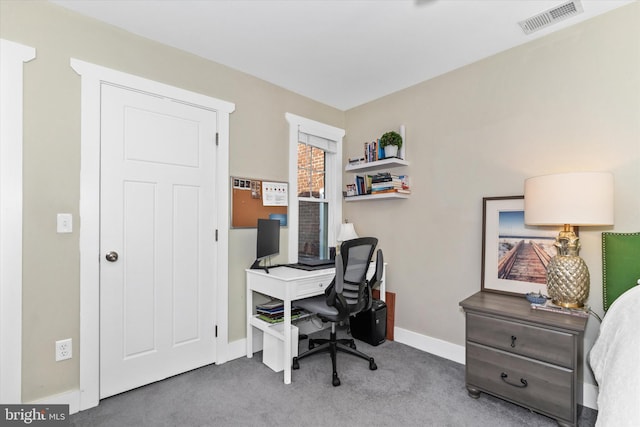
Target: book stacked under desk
{"points": [[273, 311]]}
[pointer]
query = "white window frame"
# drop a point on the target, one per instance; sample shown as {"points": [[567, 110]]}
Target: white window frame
{"points": [[333, 178]]}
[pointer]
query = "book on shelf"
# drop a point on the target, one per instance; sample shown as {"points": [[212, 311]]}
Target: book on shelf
{"points": [[280, 318], [273, 304], [277, 310], [363, 184], [372, 151], [271, 308], [549, 306], [386, 185], [273, 311], [392, 190], [380, 182], [384, 182], [388, 176], [360, 185], [381, 177]]}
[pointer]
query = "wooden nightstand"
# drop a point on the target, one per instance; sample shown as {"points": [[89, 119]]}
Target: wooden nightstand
{"points": [[529, 357]]}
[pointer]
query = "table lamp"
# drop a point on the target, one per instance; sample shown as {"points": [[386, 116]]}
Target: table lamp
{"points": [[569, 199], [347, 232]]}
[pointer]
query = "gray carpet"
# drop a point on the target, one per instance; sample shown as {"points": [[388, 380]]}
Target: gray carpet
{"points": [[410, 388]]}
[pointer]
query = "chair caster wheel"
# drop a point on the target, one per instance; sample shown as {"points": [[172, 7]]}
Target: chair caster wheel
{"points": [[372, 365], [295, 364], [336, 381]]}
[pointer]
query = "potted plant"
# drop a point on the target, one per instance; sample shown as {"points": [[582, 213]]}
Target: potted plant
{"points": [[391, 142]]}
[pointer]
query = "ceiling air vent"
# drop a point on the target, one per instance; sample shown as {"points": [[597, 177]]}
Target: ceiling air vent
{"points": [[551, 16]]}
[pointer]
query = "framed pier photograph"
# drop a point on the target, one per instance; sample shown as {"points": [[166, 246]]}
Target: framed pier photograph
{"points": [[514, 256]]}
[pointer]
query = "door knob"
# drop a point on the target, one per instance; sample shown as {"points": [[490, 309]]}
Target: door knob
{"points": [[112, 256]]}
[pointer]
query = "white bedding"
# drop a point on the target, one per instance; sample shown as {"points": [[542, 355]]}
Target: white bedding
{"points": [[615, 361]]}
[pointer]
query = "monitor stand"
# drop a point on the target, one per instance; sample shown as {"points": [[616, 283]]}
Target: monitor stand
{"points": [[256, 266]]}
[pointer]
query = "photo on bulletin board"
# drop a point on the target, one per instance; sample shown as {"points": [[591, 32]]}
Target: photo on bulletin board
{"points": [[251, 199]]}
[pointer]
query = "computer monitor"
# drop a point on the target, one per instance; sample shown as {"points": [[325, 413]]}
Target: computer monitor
{"points": [[267, 241]]}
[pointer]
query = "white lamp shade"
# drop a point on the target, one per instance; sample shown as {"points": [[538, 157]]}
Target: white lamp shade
{"points": [[580, 198], [347, 232]]}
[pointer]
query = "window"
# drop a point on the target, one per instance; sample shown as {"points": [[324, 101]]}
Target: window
{"points": [[312, 204], [315, 182]]}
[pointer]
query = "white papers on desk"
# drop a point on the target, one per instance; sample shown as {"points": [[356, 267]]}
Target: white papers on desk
{"points": [[275, 193]]}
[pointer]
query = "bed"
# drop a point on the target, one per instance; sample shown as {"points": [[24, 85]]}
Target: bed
{"points": [[615, 356]]}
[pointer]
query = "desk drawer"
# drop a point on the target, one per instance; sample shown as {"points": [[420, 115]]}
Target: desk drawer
{"points": [[542, 344], [311, 287], [548, 388]]}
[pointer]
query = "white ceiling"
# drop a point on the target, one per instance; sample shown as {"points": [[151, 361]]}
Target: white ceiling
{"points": [[340, 52]]}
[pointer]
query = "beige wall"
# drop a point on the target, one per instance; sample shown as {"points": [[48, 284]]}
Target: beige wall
{"points": [[259, 148], [566, 102], [570, 101]]}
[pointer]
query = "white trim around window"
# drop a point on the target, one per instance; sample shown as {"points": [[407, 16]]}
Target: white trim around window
{"points": [[333, 167]]}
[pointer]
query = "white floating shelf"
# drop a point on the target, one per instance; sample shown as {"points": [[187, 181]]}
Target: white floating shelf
{"points": [[377, 197], [378, 164]]}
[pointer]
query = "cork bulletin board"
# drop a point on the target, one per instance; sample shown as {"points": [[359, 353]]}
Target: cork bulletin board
{"points": [[255, 198]]}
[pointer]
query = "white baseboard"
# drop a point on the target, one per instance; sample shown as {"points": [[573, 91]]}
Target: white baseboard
{"points": [[71, 398], [430, 345], [590, 396], [456, 353], [238, 349]]}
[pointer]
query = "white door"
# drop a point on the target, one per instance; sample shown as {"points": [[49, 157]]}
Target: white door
{"points": [[157, 216]]}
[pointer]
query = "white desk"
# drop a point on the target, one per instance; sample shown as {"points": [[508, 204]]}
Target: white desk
{"points": [[288, 284]]}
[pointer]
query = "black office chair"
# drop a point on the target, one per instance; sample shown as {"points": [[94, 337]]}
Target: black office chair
{"points": [[348, 294]]}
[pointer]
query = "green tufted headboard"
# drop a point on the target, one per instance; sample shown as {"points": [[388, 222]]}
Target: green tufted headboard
{"points": [[620, 265]]}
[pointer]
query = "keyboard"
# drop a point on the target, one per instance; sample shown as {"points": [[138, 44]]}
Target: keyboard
{"points": [[302, 266]]}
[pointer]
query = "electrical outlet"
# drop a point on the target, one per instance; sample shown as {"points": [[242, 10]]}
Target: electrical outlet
{"points": [[63, 350]]}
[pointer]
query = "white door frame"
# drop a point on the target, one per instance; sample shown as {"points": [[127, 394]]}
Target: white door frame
{"points": [[92, 77], [12, 57]]}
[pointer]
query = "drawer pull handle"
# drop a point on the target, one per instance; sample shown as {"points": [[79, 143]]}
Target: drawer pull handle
{"points": [[523, 382], [513, 341]]}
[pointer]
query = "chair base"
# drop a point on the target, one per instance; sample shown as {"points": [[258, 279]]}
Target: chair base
{"points": [[333, 346]]}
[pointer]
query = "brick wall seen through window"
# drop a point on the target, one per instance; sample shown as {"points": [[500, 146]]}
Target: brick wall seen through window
{"points": [[312, 215]]}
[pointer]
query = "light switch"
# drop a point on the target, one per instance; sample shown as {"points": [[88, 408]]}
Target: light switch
{"points": [[64, 223]]}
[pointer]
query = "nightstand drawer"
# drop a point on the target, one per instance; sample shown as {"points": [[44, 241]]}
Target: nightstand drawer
{"points": [[546, 388], [543, 344]]}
